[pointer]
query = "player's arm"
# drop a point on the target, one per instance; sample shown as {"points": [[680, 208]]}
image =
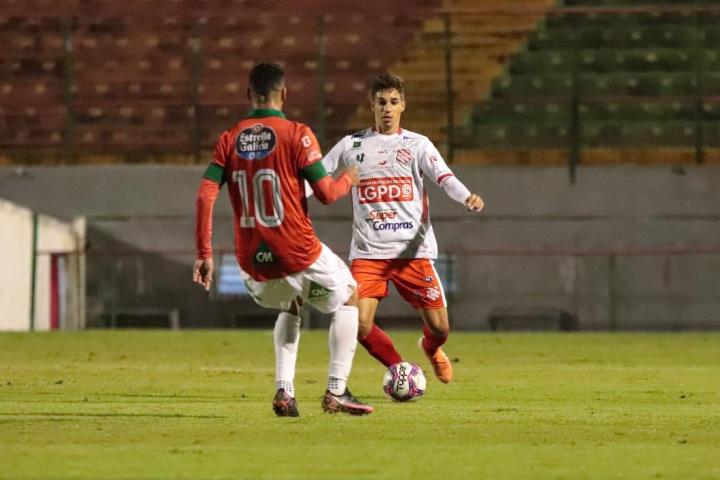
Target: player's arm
{"points": [[330, 161], [432, 163], [207, 193], [327, 189]]}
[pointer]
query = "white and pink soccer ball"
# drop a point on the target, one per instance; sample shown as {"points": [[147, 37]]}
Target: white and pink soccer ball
{"points": [[404, 382]]}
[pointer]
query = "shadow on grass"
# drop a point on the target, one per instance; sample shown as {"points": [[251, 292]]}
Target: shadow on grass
{"points": [[107, 415]]}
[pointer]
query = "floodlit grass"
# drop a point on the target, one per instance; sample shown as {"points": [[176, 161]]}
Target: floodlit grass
{"points": [[196, 405]]}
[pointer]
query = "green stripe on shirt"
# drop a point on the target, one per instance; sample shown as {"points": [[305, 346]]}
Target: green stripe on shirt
{"points": [[215, 172], [314, 172]]}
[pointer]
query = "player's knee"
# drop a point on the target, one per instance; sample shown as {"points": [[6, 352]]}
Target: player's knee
{"points": [[363, 330], [365, 324], [295, 307], [437, 322], [353, 300], [441, 331]]}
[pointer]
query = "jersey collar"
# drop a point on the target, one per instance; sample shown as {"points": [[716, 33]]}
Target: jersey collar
{"points": [[265, 112], [399, 132]]}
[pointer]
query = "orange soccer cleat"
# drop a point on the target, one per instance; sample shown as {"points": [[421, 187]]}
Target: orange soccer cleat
{"points": [[442, 366]]}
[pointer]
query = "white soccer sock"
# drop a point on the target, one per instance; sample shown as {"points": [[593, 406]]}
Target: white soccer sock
{"points": [[286, 336], [342, 340]]}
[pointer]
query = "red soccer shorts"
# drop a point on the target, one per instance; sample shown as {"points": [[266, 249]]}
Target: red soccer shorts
{"points": [[414, 278]]}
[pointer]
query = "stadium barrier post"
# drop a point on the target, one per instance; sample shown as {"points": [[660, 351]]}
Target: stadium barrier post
{"points": [[33, 268], [612, 314], [574, 154], [196, 74], [321, 78], [700, 82], [69, 87], [450, 100]]}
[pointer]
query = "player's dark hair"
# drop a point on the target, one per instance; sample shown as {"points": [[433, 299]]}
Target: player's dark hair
{"points": [[385, 81], [264, 78]]}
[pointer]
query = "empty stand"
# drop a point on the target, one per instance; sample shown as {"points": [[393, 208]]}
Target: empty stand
{"points": [[113, 78], [603, 77], [483, 35]]}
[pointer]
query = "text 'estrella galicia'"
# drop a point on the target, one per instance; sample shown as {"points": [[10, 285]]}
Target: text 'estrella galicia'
{"points": [[256, 142]]}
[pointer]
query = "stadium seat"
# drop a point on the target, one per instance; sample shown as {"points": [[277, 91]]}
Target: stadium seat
{"points": [[645, 80], [546, 112]]}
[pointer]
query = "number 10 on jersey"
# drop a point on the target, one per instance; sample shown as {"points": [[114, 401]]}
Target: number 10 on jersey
{"points": [[268, 215]]}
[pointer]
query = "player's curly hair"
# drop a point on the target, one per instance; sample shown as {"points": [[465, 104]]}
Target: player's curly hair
{"points": [[264, 78], [385, 81]]}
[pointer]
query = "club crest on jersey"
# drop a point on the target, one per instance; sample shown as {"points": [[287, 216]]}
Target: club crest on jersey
{"points": [[256, 142], [430, 293], [404, 156]]}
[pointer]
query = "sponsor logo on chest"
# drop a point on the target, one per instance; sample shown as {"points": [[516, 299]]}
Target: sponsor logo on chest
{"points": [[385, 189], [381, 220], [255, 142]]}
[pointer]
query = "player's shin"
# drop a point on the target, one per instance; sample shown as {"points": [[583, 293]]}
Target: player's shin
{"points": [[433, 340], [379, 345], [286, 336], [342, 342]]}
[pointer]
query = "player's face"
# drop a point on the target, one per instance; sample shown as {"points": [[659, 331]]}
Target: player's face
{"points": [[388, 106]]}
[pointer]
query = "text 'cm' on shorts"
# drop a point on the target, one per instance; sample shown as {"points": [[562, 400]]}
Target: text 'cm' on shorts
{"points": [[326, 285]]}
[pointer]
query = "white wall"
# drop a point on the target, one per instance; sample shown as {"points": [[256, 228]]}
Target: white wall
{"points": [[16, 244], [16, 241]]}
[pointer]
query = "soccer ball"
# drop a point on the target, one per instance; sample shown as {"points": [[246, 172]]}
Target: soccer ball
{"points": [[404, 381]]}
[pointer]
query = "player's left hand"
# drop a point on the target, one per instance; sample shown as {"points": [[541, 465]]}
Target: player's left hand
{"points": [[474, 202], [203, 272]]}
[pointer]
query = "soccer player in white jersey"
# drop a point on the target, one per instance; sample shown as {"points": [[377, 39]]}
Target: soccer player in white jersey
{"points": [[393, 239]]}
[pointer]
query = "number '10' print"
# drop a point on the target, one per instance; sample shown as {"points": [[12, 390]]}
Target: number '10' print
{"points": [[263, 176]]}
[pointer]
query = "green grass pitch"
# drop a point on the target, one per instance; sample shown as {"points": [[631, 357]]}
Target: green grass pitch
{"points": [[196, 405]]}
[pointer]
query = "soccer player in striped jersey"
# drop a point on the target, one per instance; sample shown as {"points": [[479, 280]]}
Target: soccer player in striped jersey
{"points": [[393, 239], [265, 160]]}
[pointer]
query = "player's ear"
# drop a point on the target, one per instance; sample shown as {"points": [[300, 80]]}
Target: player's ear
{"points": [[283, 94]]}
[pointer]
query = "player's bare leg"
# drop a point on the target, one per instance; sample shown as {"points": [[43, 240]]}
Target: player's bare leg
{"points": [[286, 336], [373, 338], [435, 333], [342, 341]]}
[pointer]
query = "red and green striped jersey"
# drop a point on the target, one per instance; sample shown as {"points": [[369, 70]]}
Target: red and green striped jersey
{"points": [[264, 160]]}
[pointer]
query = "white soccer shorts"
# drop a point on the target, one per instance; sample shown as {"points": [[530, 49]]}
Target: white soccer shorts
{"points": [[326, 285]]}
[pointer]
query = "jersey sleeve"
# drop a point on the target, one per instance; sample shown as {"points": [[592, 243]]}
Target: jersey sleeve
{"points": [[216, 170], [333, 160], [433, 165], [206, 196], [308, 148]]}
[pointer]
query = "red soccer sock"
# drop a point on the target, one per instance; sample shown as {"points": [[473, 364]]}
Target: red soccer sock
{"points": [[430, 342], [379, 345]]}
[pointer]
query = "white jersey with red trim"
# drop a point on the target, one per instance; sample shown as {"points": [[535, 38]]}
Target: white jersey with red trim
{"points": [[390, 204]]}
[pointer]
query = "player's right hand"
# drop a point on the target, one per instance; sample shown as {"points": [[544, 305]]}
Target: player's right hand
{"points": [[203, 272], [474, 202], [353, 175]]}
